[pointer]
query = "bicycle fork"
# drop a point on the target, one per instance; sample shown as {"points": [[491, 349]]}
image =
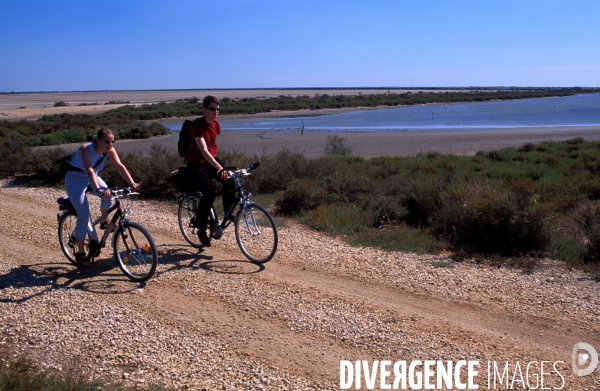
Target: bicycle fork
{"points": [[252, 228]]}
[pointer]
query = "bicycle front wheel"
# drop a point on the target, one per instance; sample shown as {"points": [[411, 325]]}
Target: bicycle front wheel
{"points": [[256, 234], [135, 251], [185, 215], [66, 229]]}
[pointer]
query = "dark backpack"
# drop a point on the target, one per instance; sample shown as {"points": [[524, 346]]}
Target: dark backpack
{"points": [[64, 163], [184, 144], [184, 179]]}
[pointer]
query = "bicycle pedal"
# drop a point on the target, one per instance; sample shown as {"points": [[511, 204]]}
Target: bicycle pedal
{"points": [[216, 231]]}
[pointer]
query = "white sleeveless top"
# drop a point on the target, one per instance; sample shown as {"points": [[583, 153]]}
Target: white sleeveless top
{"points": [[94, 157]]}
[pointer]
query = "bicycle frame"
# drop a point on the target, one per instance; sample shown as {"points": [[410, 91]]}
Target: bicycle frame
{"points": [[255, 229], [133, 246], [109, 228]]}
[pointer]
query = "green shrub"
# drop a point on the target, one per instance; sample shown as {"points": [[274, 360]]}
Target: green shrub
{"points": [[421, 198], [71, 136], [278, 170], [398, 238], [154, 171], [338, 219], [13, 152], [567, 248], [484, 219], [300, 196], [337, 146], [22, 375], [43, 169]]}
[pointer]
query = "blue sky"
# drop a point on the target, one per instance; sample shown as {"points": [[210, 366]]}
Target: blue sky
{"points": [[157, 44]]}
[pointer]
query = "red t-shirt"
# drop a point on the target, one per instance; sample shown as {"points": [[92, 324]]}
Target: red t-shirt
{"points": [[209, 132]]}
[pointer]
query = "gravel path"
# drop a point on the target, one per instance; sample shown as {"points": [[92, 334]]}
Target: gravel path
{"points": [[211, 320]]}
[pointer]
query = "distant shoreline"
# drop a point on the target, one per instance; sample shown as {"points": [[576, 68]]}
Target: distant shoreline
{"points": [[312, 143]]}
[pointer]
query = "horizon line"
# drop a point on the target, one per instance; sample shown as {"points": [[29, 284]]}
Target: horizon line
{"points": [[305, 88]]}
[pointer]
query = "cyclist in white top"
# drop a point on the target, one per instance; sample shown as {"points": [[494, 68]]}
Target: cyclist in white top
{"points": [[84, 176]]}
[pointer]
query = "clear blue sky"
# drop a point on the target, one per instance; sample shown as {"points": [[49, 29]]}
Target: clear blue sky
{"points": [[158, 44]]}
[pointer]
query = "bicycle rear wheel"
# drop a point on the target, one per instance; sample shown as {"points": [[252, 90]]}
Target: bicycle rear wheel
{"points": [[135, 251], [185, 215], [256, 234], [66, 228]]}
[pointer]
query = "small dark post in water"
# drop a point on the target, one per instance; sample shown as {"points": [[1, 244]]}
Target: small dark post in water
{"points": [[302, 132]]}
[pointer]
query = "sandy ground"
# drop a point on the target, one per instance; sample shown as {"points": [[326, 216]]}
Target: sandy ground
{"points": [[211, 320], [371, 144], [311, 143]]}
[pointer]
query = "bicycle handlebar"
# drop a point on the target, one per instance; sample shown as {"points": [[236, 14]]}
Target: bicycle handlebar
{"points": [[124, 192], [115, 192], [235, 172]]}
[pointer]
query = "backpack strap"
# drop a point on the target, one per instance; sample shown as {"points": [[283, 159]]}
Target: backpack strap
{"points": [[100, 160]]}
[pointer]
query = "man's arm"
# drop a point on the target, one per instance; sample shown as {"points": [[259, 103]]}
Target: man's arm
{"points": [[209, 158]]}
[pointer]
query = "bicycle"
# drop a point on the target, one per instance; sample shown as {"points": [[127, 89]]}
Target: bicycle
{"points": [[255, 229], [133, 246]]}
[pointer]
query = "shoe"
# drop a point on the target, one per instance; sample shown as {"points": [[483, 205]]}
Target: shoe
{"points": [[203, 238], [83, 260], [104, 225], [216, 232]]}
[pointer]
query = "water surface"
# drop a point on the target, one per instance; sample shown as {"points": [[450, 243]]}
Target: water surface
{"points": [[570, 111]]}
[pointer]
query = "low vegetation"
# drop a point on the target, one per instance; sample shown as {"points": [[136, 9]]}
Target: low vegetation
{"points": [[21, 375], [68, 128], [536, 200]]}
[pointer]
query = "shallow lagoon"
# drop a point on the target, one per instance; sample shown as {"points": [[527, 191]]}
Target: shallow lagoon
{"points": [[578, 110]]}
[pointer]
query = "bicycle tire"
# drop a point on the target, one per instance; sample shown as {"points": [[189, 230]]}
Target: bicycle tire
{"points": [[135, 251], [256, 234], [186, 212], [66, 228]]}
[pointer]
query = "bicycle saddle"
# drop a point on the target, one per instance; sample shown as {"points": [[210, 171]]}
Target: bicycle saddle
{"points": [[64, 203]]}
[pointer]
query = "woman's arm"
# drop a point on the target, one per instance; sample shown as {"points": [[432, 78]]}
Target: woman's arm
{"points": [[114, 157], [86, 160]]}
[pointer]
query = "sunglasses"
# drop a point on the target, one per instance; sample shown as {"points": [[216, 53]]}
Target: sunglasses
{"points": [[213, 108], [109, 141]]}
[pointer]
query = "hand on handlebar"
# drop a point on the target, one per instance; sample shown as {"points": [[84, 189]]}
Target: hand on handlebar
{"points": [[103, 192], [223, 174]]}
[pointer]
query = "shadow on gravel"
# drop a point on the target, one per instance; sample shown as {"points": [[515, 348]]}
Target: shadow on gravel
{"points": [[232, 267], [179, 258], [65, 275]]}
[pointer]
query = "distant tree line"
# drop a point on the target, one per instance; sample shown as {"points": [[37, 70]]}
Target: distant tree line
{"points": [[191, 107]]}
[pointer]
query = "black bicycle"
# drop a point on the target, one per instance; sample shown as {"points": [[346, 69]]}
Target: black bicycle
{"points": [[255, 230], [133, 246]]}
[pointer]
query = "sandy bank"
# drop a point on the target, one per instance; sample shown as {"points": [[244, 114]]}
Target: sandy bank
{"points": [[374, 143]]}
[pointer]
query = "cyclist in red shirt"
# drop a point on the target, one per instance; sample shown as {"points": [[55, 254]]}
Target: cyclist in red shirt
{"points": [[202, 159]]}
